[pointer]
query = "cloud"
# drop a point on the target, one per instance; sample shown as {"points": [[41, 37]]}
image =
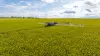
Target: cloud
{"points": [[70, 12], [48, 1], [77, 8], [61, 8], [23, 13], [88, 10], [27, 10], [84, 8]]}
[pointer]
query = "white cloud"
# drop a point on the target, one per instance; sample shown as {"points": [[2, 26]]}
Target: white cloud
{"points": [[81, 7], [55, 12], [48, 1], [24, 13], [23, 10]]}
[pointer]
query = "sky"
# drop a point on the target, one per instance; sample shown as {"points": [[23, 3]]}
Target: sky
{"points": [[50, 8]]}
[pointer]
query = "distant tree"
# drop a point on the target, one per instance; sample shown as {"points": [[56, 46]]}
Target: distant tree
{"points": [[23, 17], [12, 16]]}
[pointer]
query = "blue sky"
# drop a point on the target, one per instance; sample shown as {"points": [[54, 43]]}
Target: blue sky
{"points": [[50, 8]]}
